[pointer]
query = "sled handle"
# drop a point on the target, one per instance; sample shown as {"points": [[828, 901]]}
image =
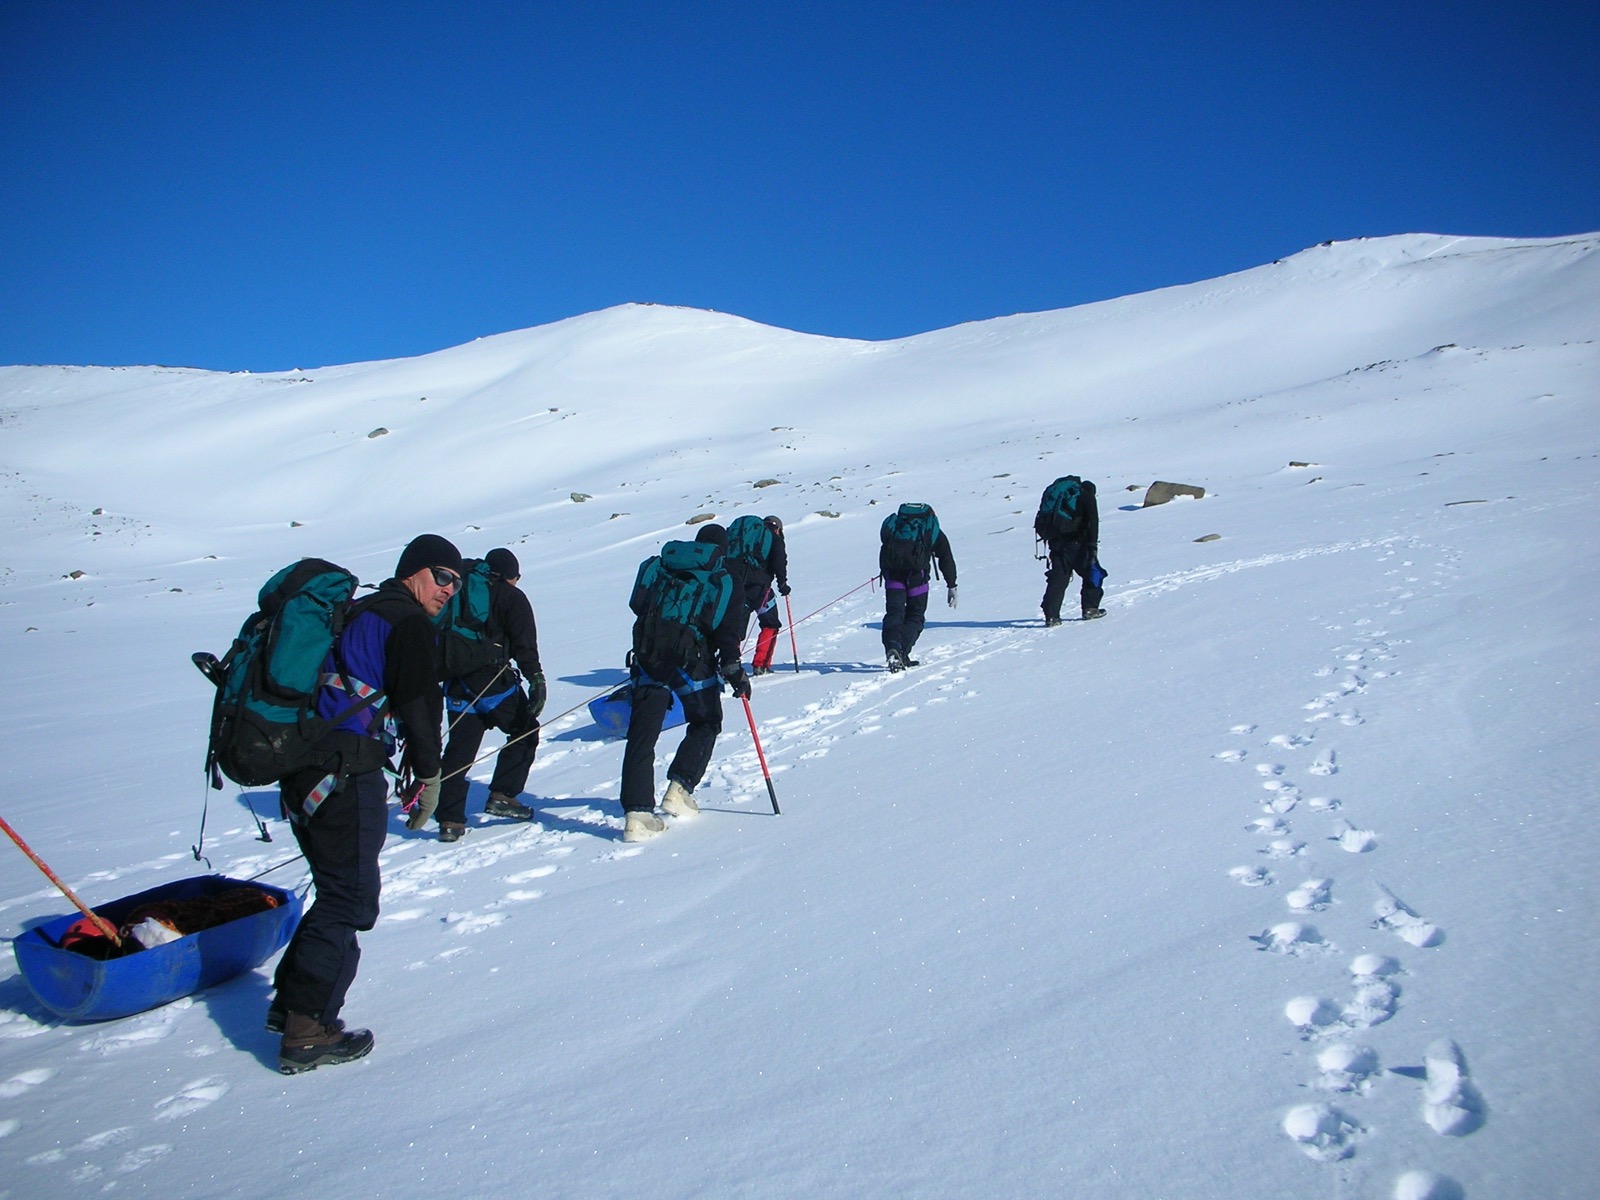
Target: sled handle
{"points": [[98, 921]]}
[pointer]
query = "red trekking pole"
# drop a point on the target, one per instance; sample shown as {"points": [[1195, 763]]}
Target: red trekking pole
{"points": [[761, 756], [98, 921], [793, 645]]}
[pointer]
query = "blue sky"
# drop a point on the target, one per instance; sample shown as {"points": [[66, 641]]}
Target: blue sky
{"points": [[268, 185]]}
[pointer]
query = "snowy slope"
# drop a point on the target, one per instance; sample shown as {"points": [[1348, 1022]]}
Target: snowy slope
{"points": [[1183, 903]]}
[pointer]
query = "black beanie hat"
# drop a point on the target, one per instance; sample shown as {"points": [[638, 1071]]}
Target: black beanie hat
{"points": [[427, 550], [503, 563], [713, 533]]}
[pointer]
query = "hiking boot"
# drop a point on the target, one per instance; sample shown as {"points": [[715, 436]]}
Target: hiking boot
{"points": [[761, 670], [506, 806], [897, 660], [451, 831], [278, 1017], [309, 1044], [1051, 622], [1090, 614], [641, 826], [678, 802]]}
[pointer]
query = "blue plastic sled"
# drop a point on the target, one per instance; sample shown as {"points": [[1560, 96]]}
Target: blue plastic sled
{"points": [[612, 712], [81, 988]]}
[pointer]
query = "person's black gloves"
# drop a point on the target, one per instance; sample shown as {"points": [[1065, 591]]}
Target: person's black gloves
{"points": [[737, 680], [538, 693], [783, 589]]}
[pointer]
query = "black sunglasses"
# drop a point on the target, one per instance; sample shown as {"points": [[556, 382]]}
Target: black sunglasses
{"points": [[445, 578]]}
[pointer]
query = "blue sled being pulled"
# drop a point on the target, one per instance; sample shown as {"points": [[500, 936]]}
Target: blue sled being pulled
{"points": [[82, 988], [612, 712]]}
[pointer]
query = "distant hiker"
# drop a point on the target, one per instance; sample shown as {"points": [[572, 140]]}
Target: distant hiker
{"points": [[912, 540], [686, 635], [757, 557], [491, 696], [340, 820], [1068, 522]]}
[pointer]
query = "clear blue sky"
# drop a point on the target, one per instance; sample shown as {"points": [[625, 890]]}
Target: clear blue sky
{"points": [[254, 185]]}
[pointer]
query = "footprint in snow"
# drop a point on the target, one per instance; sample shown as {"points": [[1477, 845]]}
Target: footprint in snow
{"points": [[9, 1126], [1323, 804], [195, 1096], [472, 922], [1242, 729], [137, 1031], [1288, 741], [1282, 848], [1352, 718], [1322, 1131], [1269, 826], [1313, 895], [24, 1081], [905, 712], [533, 873], [820, 752], [1292, 938], [1404, 923], [1347, 1067], [1451, 1102], [1425, 1185], [1326, 764], [1356, 841], [1374, 1003], [1252, 876], [1311, 1014], [1269, 768]]}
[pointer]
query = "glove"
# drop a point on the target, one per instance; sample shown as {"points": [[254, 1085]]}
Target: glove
{"points": [[783, 589], [950, 595], [538, 693], [738, 681], [424, 801]]}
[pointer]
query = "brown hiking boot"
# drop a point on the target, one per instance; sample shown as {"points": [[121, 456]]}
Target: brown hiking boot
{"points": [[309, 1044]]}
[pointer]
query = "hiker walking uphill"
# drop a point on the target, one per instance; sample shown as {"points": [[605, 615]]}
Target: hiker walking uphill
{"points": [[489, 644], [340, 819], [1068, 522], [685, 642], [912, 541], [757, 557]]}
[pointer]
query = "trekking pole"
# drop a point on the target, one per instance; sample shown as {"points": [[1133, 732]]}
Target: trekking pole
{"points": [[761, 757], [793, 645], [99, 922]]}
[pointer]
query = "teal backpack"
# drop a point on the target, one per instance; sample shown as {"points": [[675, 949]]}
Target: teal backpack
{"points": [[1060, 510], [749, 541], [908, 536], [264, 723], [686, 592], [468, 638]]}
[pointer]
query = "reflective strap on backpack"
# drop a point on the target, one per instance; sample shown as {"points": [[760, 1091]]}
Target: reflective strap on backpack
{"points": [[314, 798]]}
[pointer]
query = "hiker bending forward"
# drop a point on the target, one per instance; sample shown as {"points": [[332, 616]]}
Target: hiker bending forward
{"points": [[911, 543], [1073, 543], [341, 818], [492, 697], [758, 560], [686, 642]]}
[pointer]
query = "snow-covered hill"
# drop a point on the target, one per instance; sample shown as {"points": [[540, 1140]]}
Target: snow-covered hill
{"points": [[1191, 902]]}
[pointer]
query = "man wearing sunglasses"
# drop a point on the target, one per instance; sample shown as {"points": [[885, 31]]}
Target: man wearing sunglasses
{"points": [[388, 644]]}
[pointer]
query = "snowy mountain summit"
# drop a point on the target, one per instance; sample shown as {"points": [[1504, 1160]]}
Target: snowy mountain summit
{"points": [[1271, 883]]}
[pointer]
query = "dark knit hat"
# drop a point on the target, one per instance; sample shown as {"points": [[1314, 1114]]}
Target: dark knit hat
{"points": [[503, 563], [713, 533], [428, 550]]}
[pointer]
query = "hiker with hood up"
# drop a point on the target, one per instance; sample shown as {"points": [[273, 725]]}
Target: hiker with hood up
{"points": [[911, 542], [758, 559], [389, 644], [689, 619], [492, 697]]}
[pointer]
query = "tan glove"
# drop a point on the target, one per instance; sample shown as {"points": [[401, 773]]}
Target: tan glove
{"points": [[427, 802]]}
